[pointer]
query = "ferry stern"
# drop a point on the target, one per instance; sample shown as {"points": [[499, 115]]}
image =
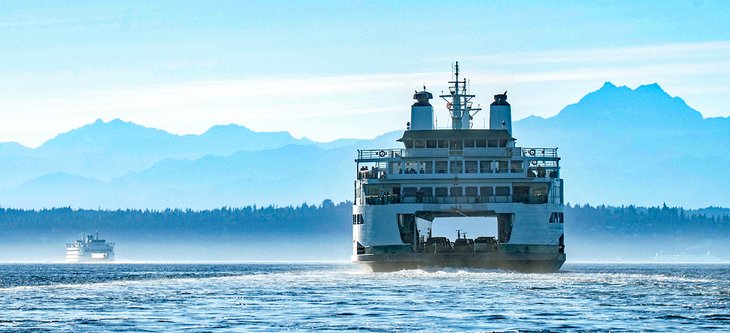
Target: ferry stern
{"points": [[458, 172]]}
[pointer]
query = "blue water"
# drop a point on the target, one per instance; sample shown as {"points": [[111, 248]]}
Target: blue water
{"points": [[341, 297]]}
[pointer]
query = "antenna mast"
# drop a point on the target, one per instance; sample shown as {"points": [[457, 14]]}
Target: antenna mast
{"points": [[458, 102]]}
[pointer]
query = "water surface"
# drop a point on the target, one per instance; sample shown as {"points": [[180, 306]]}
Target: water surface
{"points": [[341, 297]]}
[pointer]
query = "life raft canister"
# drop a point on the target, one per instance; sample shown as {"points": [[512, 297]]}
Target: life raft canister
{"points": [[381, 153]]}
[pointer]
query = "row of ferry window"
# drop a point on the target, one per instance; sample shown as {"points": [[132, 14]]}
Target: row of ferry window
{"points": [[456, 191], [482, 166], [455, 144], [555, 217]]}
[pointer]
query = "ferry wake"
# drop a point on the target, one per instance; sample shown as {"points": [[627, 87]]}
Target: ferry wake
{"points": [[460, 171]]}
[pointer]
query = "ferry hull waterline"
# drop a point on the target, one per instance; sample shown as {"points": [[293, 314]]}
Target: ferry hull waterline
{"points": [[458, 172]]}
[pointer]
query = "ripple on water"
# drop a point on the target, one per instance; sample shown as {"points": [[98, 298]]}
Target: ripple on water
{"points": [[273, 297]]}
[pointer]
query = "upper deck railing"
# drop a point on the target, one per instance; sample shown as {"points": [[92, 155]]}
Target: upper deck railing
{"points": [[540, 152], [375, 154], [379, 153]]}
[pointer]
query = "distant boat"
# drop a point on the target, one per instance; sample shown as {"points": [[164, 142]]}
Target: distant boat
{"points": [[90, 248]]}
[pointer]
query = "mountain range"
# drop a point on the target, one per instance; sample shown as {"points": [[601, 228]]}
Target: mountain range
{"points": [[618, 146]]}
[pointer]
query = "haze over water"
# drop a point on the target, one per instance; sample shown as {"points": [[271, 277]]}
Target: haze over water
{"points": [[338, 297]]}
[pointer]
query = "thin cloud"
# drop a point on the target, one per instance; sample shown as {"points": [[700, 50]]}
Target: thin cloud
{"points": [[34, 23], [385, 93], [307, 89], [704, 50]]}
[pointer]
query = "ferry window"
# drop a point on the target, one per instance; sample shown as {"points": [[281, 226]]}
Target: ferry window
{"points": [[521, 194], [455, 144], [419, 144], [517, 166], [502, 166], [409, 191], [468, 143], [410, 168], [470, 191], [427, 191], [486, 191], [470, 166], [502, 191], [408, 143], [485, 166], [443, 143], [395, 167], [441, 166], [430, 143], [540, 194], [457, 191], [456, 166], [492, 143], [442, 191], [426, 167], [481, 143], [357, 219], [503, 143], [373, 190]]}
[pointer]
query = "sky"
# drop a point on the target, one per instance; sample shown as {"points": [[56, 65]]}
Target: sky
{"points": [[339, 69]]}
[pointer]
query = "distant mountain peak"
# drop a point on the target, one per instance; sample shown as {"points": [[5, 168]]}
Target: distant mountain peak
{"points": [[533, 117], [113, 122], [647, 105], [228, 128], [99, 133], [652, 88], [608, 85]]}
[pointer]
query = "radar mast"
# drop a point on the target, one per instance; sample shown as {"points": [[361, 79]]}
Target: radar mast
{"points": [[458, 102]]}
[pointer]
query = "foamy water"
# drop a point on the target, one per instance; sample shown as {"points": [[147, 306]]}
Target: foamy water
{"points": [[340, 297]]}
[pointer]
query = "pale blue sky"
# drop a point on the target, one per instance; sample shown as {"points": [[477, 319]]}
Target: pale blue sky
{"points": [[336, 69]]}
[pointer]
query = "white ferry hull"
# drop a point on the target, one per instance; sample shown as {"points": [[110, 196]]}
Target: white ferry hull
{"points": [[534, 244], [94, 257], [518, 262]]}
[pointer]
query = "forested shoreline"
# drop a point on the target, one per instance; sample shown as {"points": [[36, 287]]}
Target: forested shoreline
{"points": [[660, 220], [304, 219], [591, 231], [335, 218]]}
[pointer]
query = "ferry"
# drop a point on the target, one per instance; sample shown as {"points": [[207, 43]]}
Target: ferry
{"points": [[90, 248], [458, 172]]}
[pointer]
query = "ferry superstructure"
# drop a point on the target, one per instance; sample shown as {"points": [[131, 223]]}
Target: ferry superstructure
{"points": [[89, 248], [458, 172]]}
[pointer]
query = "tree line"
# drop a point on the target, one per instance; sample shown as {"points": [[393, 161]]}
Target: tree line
{"points": [[334, 219], [611, 221], [327, 218]]}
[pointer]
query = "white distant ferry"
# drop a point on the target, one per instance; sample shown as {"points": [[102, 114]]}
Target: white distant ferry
{"points": [[89, 248], [458, 172]]}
